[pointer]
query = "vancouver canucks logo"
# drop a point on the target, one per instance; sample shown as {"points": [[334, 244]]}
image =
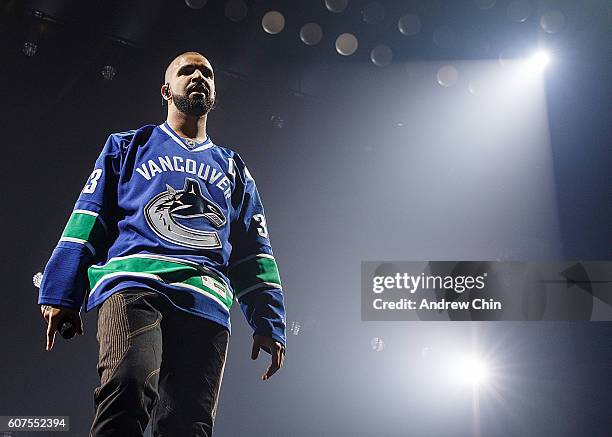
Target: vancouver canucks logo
{"points": [[172, 213]]}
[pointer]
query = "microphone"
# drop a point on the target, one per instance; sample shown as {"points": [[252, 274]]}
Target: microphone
{"points": [[65, 327]]}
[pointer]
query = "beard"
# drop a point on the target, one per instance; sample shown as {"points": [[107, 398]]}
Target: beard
{"points": [[196, 106]]}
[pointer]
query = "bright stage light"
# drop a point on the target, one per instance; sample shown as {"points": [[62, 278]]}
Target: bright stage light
{"points": [[472, 371], [540, 59], [537, 62]]}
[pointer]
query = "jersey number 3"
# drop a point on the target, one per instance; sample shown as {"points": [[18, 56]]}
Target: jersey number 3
{"points": [[262, 229], [92, 182]]}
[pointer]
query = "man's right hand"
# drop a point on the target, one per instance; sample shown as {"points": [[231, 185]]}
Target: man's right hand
{"points": [[54, 314]]}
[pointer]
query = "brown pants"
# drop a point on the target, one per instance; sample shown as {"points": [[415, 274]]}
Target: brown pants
{"points": [[156, 363]]}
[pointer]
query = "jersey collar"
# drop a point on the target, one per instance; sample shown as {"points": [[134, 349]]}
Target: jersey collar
{"points": [[201, 146]]}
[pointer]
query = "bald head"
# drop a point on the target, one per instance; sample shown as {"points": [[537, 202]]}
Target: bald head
{"points": [[180, 59]]}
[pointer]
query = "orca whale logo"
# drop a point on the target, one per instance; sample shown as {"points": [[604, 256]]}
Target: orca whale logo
{"points": [[189, 205]]}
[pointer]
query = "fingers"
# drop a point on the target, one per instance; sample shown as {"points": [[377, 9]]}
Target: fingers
{"points": [[256, 346], [276, 350], [46, 314], [51, 333], [53, 316], [44, 309], [278, 359]]}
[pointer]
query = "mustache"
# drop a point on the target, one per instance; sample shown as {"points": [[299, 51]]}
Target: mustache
{"points": [[198, 87]]}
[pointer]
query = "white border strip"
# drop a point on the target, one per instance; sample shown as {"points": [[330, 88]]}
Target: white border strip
{"points": [[83, 242], [200, 291], [84, 211], [181, 143], [94, 214], [205, 146], [256, 286], [115, 274], [260, 255]]}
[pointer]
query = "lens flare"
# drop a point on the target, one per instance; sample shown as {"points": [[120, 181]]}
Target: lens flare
{"points": [[472, 371]]}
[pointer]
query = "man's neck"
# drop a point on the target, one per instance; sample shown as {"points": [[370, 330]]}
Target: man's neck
{"points": [[188, 126]]}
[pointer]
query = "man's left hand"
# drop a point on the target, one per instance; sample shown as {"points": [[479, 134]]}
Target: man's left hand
{"points": [[276, 349]]}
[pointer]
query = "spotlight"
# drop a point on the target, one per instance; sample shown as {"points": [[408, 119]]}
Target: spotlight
{"points": [[37, 279], [29, 49], [277, 121], [108, 72], [295, 328], [537, 62], [377, 344], [472, 371], [541, 59]]}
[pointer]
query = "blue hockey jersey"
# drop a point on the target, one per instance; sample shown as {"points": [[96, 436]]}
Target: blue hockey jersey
{"points": [[186, 222]]}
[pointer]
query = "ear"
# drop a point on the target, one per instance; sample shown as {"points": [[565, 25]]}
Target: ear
{"points": [[165, 91]]}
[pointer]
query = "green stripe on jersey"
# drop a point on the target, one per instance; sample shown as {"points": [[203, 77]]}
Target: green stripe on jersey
{"points": [[172, 272], [86, 227], [252, 273]]}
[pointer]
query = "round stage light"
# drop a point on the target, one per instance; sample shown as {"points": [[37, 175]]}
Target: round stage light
{"points": [[447, 76], [273, 22], [381, 55], [552, 21], [336, 6], [311, 34], [196, 4], [409, 24], [346, 44]]}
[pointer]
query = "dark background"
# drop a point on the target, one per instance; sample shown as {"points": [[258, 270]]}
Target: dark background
{"points": [[335, 177]]}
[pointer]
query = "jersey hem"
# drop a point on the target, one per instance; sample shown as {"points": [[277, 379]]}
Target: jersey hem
{"points": [[101, 298]]}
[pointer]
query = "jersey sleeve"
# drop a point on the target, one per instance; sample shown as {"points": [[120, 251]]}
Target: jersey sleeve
{"points": [[86, 235], [252, 268]]}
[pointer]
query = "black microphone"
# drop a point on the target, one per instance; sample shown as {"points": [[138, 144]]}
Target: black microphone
{"points": [[65, 327]]}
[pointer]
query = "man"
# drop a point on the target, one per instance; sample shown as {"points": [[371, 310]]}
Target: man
{"points": [[167, 231]]}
